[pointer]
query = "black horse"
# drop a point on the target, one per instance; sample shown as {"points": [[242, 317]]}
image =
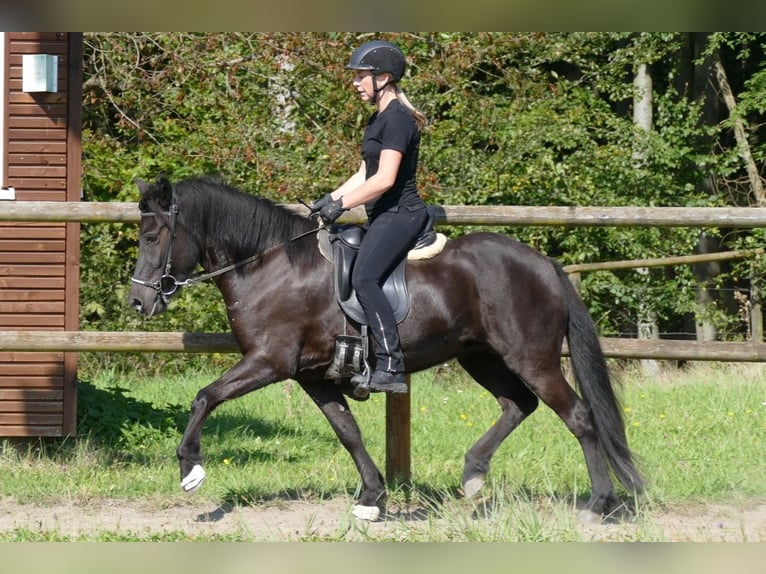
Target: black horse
{"points": [[496, 305]]}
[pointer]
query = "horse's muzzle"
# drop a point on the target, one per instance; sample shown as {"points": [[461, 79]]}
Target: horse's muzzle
{"points": [[146, 301]]}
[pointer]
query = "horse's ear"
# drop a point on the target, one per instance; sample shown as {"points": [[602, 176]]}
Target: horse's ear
{"points": [[164, 185], [166, 190], [161, 192], [143, 187]]}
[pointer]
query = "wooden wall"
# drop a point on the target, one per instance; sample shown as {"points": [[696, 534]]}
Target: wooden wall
{"points": [[39, 262]]}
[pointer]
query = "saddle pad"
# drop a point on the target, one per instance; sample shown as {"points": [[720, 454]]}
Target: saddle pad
{"points": [[427, 252]]}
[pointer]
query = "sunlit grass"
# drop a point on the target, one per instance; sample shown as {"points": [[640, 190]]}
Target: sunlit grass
{"points": [[698, 434]]}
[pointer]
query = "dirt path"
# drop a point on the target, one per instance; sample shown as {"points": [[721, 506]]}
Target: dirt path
{"points": [[301, 520]]}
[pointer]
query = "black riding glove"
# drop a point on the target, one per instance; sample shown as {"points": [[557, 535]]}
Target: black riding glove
{"points": [[331, 211], [320, 203]]}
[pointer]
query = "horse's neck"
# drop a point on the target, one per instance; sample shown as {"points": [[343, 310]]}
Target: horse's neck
{"points": [[247, 236]]}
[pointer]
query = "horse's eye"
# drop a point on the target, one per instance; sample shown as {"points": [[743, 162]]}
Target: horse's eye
{"points": [[150, 239]]}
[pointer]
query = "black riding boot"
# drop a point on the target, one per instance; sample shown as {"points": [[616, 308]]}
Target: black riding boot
{"points": [[388, 382], [388, 375], [383, 381]]}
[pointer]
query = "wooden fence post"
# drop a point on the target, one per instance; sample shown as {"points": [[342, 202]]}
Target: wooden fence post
{"points": [[756, 315], [398, 458], [576, 278]]}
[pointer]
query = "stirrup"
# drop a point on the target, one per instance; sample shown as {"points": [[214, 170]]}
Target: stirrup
{"points": [[360, 381]]}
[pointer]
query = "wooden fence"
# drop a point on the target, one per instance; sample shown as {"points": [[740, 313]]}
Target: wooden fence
{"points": [[398, 406], [513, 216], [518, 216], [174, 342]]}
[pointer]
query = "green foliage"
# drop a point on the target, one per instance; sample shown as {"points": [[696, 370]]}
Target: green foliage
{"points": [[514, 119]]}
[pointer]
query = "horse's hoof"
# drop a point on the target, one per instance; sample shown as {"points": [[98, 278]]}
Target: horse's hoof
{"points": [[192, 481], [473, 485], [369, 513]]}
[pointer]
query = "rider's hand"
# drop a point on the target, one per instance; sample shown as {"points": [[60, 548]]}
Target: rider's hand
{"points": [[331, 211], [320, 203]]}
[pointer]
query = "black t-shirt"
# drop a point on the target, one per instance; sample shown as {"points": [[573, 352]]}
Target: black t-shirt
{"points": [[395, 129]]}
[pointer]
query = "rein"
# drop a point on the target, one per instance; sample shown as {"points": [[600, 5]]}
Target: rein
{"points": [[167, 284], [222, 270]]}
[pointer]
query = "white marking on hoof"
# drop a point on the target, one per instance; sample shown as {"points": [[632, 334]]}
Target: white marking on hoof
{"points": [[473, 485], [588, 517], [192, 481], [371, 513]]}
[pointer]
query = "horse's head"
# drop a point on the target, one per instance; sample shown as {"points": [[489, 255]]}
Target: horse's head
{"points": [[167, 254]]}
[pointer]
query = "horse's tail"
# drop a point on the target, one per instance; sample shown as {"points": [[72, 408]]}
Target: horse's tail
{"points": [[595, 384]]}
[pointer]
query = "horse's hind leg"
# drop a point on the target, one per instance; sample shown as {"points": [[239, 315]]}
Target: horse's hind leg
{"points": [[332, 403], [516, 401], [554, 390]]}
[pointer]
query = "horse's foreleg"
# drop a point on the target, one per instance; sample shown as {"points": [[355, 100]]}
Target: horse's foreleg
{"points": [[247, 375], [333, 405]]}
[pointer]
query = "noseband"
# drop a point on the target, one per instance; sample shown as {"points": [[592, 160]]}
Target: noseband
{"points": [[167, 284]]}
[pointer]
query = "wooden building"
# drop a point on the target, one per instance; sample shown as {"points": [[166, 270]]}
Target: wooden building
{"points": [[40, 126]]}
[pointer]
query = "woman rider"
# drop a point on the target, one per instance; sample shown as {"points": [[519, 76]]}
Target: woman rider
{"points": [[386, 185]]}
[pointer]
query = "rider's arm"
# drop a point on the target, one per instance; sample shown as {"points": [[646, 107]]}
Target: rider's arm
{"points": [[375, 186]]}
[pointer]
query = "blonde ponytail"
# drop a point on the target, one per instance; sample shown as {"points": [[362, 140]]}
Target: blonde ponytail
{"points": [[420, 118]]}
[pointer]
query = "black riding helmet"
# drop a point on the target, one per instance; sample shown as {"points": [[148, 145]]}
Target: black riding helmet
{"points": [[378, 56]]}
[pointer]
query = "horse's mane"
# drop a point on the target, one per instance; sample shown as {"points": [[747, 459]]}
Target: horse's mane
{"points": [[242, 223]]}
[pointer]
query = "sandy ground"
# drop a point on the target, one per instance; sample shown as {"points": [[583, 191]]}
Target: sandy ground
{"points": [[332, 520]]}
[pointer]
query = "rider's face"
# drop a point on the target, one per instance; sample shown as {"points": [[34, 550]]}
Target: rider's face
{"points": [[363, 84]]}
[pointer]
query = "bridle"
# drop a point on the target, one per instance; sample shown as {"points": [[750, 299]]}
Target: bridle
{"points": [[167, 284]]}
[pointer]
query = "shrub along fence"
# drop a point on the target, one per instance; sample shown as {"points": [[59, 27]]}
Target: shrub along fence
{"points": [[398, 406]]}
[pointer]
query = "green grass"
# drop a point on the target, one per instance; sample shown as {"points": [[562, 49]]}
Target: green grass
{"points": [[698, 433]]}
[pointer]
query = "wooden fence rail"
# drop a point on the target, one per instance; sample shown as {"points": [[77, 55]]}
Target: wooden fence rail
{"points": [[175, 342], [494, 215]]}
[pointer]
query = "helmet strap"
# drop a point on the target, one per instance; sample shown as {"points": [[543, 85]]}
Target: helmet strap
{"points": [[375, 90]]}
